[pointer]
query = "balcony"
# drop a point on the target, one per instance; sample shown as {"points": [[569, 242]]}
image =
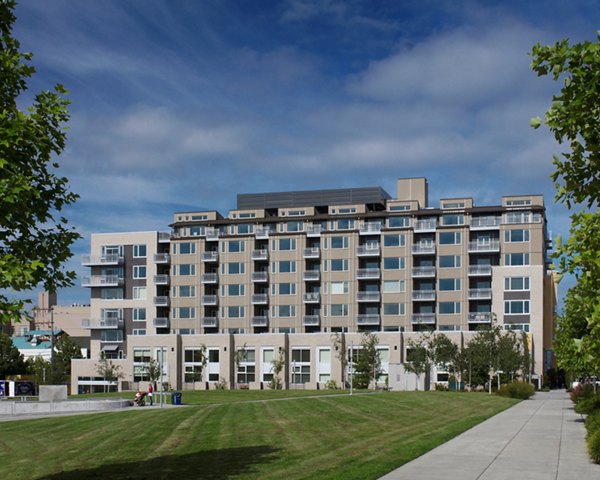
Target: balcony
{"points": [[368, 273], [313, 252], [209, 278], [164, 237], [212, 235], [261, 233], [102, 281], [423, 318], [423, 295], [480, 317], [480, 293], [160, 322], [425, 225], [480, 270], [99, 260], [161, 279], [101, 323], [260, 299], [259, 277], [423, 272], [311, 297], [208, 322], [488, 246], [209, 257], [368, 319], [311, 275], [485, 223], [162, 258], [311, 320], [373, 250], [368, 296], [161, 301], [260, 255], [423, 249], [209, 300], [259, 321], [314, 230], [370, 228]]}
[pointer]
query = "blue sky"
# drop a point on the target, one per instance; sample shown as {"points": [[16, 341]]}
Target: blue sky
{"points": [[179, 105]]}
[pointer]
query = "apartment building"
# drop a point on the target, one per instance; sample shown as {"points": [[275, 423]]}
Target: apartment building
{"points": [[287, 271]]}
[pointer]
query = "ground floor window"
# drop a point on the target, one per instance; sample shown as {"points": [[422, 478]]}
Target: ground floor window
{"points": [[246, 366], [192, 365], [300, 365]]}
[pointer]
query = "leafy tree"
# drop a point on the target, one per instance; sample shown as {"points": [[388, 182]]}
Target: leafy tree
{"points": [[41, 370], [153, 371], [11, 360], [417, 358], [66, 350], [278, 364], [430, 350], [367, 366], [34, 240], [109, 371], [574, 119], [339, 345]]}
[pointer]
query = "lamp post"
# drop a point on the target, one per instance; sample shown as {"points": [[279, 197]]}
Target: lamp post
{"points": [[351, 366]]}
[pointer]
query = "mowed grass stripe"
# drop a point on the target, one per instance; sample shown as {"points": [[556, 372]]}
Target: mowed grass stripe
{"points": [[361, 437]]}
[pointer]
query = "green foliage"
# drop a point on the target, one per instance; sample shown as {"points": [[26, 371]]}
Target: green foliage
{"points": [[581, 392], [66, 350], [588, 405], [11, 360], [521, 390], [338, 341], [278, 363], [332, 385], [34, 239], [108, 370], [153, 371], [367, 363], [221, 384]]}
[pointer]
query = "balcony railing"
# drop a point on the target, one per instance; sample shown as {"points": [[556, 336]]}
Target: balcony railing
{"points": [[259, 277], [368, 319], [480, 293], [425, 225], [162, 258], [212, 235], [423, 249], [259, 321], [161, 301], [102, 281], [101, 323], [423, 271], [92, 260], [423, 295], [209, 256], [164, 237], [483, 270], [491, 246], [262, 254], [261, 233], [210, 322], [485, 223], [370, 228], [161, 279], [373, 250], [368, 296], [313, 252], [311, 275], [209, 278], [160, 322], [209, 299], [479, 317], [260, 299], [423, 318], [368, 273], [311, 320], [311, 297], [314, 230]]}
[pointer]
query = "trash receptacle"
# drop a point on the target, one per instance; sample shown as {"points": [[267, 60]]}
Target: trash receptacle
{"points": [[176, 398]]}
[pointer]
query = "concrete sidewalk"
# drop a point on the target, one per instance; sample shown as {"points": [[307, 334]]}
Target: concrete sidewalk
{"points": [[540, 438]]}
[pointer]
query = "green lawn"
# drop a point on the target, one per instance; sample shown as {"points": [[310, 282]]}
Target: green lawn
{"points": [[358, 437]]}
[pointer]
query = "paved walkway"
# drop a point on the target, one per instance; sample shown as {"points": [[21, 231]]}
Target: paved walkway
{"points": [[540, 438]]}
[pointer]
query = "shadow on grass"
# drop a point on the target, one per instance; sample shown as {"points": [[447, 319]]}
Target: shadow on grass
{"points": [[209, 464]]}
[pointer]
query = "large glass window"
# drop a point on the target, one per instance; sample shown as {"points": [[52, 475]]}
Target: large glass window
{"points": [[339, 310], [186, 269], [139, 272], [192, 364], [518, 235], [516, 259], [393, 263], [394, 240], [187, 312], [141, 358], [339, 241], [339, 265], [516, 283], [345, 224], [139, 314], [287, 289], [398, 222], [235, 268], [449, 261], [139, 293], [187, 290], [139, 251], [246, 366], [235, 290], [516, 307], [338, 288], [450, 238], [393, 309], [187, 248], [300, 365], [287, 311], [236, 246], [286, 244], [393, 286], [447, 308], [287, 266], [235, 311], [449, 284]]}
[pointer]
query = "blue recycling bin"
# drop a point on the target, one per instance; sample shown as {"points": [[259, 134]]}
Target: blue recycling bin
{"points": [[176, 398]]}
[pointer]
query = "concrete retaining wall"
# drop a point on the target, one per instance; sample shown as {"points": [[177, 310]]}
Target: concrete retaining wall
{"points": [[69, 406]]}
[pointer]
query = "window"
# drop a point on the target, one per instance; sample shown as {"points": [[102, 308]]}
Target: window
{"points": [[213, 365], [294, 226], [235, 311], [398, 208], [111, 335], [453, 205], [287, 289], [398, 222], [450, 238], [287, 266], [116, 250], [141, 358], [139, 293], [393, 263], [300, 365], [234, 290], [287, 244], [139, 272], [139, 314], [236, 246], [187, 312], [345, 224], [515, 259], [517, 203], [397, 240], [449, 261], [339, 242], [339, 265], [111, 294], [187, 248], [186, 269], [339, 310], [245, 228], [518, 217], [192, 365], [235, 268], [246, 367], [516, 283], [453, 219], [287, 311], [338, 288], [448, 308], [187, 290], [449, 284], [393, 309], [139, 251], [138, 331], [516, 307], [268, 355], [393, 286], [514, 236]]}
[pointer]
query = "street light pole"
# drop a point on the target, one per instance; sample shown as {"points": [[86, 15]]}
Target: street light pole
{"points": [[351, 365]]}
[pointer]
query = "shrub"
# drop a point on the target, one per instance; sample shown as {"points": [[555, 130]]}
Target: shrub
{"points": [[593, 443], [221, 384], [331, 385], [440, 387], [588, 405], [522, 390], [581, 391]]}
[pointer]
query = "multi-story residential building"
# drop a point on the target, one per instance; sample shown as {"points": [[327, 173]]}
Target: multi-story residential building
{"points": [[286, 271]]}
